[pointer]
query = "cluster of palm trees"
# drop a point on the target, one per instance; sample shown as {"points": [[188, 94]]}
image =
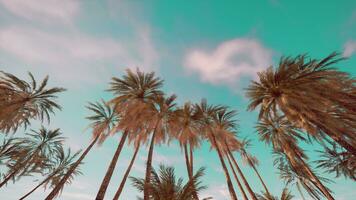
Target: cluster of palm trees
{"points": [[301, 100], [38, 152]]}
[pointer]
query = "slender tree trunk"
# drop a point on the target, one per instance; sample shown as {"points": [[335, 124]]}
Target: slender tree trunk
{"points": [[188, 162], [123, 181], [105, 183], [191, 159], [61, 183], [146, 193], [237, 179], [259, 176], [317, 181], [39, 185], [228, 179], [250, 191]]}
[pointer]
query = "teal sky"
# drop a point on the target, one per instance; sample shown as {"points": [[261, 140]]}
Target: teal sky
{"points": [[202, 49]]}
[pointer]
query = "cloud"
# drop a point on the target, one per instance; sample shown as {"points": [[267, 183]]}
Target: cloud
{"points": [[229, 61], [45, 11], [349, 48], [76, 56]]}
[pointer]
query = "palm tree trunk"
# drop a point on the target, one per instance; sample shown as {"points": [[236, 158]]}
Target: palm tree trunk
{"points": [[259, 176], [105, 183], [189, 165], [191, 159], [39, 185], [228, 179], [123, 181], [149, 167], [187, 161], [237, 179], [317, 181], [61, 183], [250, 191]]}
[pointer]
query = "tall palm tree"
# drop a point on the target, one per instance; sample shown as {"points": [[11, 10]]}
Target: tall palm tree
{"points": [[225, 125], [284, 138], [61, 163], [187, 134], [251, 160], [37, 147], [103, 120], [286, 195], [210, 126], [165, 185], [21, 101], [162, 120], [312, 95], [133, 94]]}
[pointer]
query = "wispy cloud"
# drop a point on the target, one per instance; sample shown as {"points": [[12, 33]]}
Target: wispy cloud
{"points": [[229, 61], [349, 48], [45, 11], [71, 55]]}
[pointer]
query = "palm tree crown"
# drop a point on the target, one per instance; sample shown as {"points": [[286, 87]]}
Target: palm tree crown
{"points": [[313, 96], [21, 101], [164, 185]]}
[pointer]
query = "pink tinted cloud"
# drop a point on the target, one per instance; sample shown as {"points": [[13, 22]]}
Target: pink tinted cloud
{"points": [[229, 61]]}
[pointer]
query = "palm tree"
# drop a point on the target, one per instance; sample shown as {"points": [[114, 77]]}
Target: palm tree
{"points": [[21, 101], [61, 164], [335, 160], [162, 120], [313, 96], [210, 126], [251, 160], [187, 135], [225, 125], [135, 92], [37, 148], [283, 137], [165, 186], [286, 195], [103, 121]]}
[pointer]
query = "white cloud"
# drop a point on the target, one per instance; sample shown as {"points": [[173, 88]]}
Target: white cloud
{"points": [[45, 11], [230, 61], [76, 56], [349, 48]]}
